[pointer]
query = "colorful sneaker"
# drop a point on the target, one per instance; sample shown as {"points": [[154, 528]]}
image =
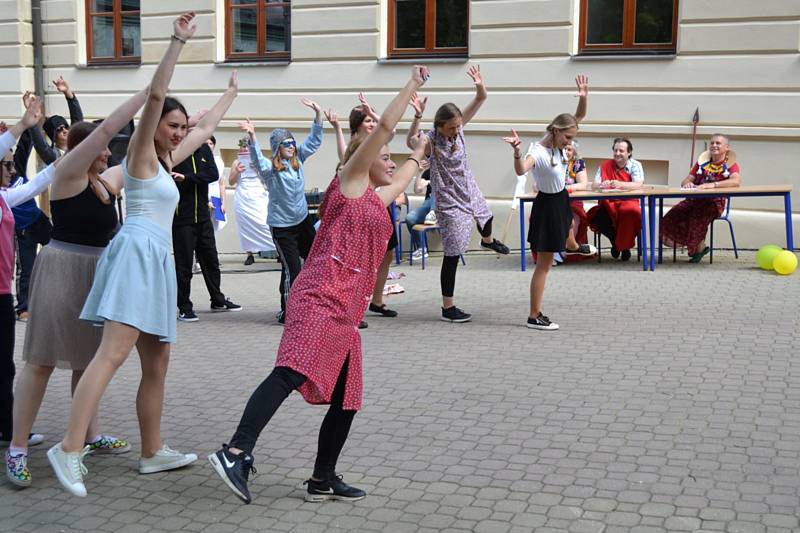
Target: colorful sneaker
{"points": [[69, 468], [108, 444], [17, 469], [165, 459], [333, 489], [234, 470], [541, 322]]}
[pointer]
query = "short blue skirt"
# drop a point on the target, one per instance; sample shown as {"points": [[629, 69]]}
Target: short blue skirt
{"points": [[135, 281]]}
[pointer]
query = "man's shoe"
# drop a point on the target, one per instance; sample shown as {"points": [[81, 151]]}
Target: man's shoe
{"points": [[614, 252], [454, 314], [227, 305], [250, 260], [697, 257], [541, 322], [496, 246], [626, 255], [69, 468], [363, 325], [108, 444], [332, 489], [165, 459], [382, 310], [33, 440], [583, 249], [17, 469], [188, 316], [234, 470]]}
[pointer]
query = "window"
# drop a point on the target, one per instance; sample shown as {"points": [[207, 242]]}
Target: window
{"points": [[113, 34], [257, 30], [628, 26], [424, 28]]}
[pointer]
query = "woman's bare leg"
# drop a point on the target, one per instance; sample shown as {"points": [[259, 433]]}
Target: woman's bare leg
{"points": [[154, 356], [572, 243], [91, 431], [28, 396], [118, 341], [380, 280], [544, 261]]}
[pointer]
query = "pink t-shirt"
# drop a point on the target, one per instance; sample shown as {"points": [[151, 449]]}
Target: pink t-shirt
{"points": [[6, 248]]}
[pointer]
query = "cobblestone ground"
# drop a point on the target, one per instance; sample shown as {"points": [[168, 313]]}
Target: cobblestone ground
{"points": [[668, 401]]}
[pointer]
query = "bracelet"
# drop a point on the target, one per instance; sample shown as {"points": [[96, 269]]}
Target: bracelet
{"points": [[178, 39], [417, 116], [414, 160]]}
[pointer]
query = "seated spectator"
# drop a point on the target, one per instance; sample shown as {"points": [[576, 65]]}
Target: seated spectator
{"points": [[418, 215], [620, 220], [577, 180], [686, 224]]}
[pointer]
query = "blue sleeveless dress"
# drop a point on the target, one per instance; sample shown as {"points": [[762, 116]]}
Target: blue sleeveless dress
{"points": [[135, 279]]}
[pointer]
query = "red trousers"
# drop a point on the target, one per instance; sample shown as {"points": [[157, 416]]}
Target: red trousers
{"points": [[625, 217]]}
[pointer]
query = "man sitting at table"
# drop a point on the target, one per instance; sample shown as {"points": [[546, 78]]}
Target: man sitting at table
{"points": [[620, 220], [686, 224]]}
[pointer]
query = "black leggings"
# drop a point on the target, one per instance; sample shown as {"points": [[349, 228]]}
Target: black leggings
{"points": [[266, 399], [486, 230], [447, 276]]}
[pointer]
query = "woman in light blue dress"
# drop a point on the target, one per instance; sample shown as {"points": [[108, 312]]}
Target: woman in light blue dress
{"points": [[134, 294]]}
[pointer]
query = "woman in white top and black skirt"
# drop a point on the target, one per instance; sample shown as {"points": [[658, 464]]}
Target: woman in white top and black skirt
{"points": [[551, 216]]}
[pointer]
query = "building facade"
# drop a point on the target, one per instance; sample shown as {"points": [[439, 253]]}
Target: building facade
{"points": [[650, 63]]}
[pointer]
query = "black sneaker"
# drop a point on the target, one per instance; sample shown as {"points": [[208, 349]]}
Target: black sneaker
{"points": [[496, 246], [250, 260], [382, 310], [541, 322], [454, 314], [614, 253], [227, 305], [188, 316], [626, 255], [583, 249], [363, 325], [234, 470], [333, 489]]}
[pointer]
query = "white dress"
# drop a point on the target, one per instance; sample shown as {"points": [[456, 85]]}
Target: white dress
{"points": [[252, 202], [213, 192]]}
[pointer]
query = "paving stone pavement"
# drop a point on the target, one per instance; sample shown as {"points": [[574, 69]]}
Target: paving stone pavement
{"points": [[668, 401]]}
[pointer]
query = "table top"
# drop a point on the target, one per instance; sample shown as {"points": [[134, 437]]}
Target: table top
{"points": [[653, 190]]}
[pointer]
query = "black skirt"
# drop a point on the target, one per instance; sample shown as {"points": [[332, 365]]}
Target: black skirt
{"points": [[550, 220]]}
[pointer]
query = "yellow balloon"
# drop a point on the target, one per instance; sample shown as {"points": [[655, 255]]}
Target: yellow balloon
{"points": [[785, 262]]}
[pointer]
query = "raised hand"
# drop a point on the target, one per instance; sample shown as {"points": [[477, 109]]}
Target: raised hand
{"points": [[311, 103], [582, 81], [185, 25], [233, 82], [513, 140], [365, 107], [26, 99], [247, 127], [33, 113], [332, 117], [62, 85], [418, 143], [424, 165], [474, 72], [418, 103], [420, 74]]}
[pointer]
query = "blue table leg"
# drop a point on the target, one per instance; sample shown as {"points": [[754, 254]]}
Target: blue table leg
{"points": [[651, 210], [787, 206], [660, 218], [643, 235], [522, 257]]}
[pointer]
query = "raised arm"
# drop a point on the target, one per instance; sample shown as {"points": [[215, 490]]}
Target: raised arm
{"points": [[418, 103], [582, 81], [355, 173], [142, 157], [31, 117], [521, 166], [208, 124], [30, 189], [262, 165], [406, 172], [421, 184], [78, 160], [341, 145], [469, 112], [314, 140], [236, 170], [75, 111]]}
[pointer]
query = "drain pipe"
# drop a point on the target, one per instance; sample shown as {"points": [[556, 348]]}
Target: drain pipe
{"points": [[38, 49]]}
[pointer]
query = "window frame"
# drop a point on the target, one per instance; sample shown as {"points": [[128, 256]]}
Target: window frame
{"points": [[261, 54], [430, 49], [628, 45], [116, 14]]}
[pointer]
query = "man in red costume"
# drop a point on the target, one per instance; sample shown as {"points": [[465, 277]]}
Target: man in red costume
{"points": [[620, 220]]}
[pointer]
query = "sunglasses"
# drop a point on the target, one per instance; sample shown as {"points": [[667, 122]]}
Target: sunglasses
{"points": [[288, 143], [62, 128]]}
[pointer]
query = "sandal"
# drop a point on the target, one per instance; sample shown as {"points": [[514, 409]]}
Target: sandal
{"points": [[382, 310], [697, 257]]}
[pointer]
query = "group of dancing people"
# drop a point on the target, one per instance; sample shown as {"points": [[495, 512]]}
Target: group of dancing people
{"points": [[331, 273]]}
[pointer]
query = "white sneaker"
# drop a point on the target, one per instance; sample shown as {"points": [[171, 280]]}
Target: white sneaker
{"points": [[33, 440], [430, 218], [69, 468], [165, 459], [417, 254]]}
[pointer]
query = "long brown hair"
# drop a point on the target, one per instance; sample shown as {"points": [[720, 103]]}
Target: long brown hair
{"points": [[564, 121], [277, 162]]}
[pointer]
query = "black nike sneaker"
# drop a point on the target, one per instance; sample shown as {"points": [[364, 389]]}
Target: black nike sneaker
{"points": [[332, 489], [234, 470]]}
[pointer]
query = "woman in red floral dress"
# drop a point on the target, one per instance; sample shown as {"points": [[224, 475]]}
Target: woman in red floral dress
{"points": [[320, 351], [686, 224]]}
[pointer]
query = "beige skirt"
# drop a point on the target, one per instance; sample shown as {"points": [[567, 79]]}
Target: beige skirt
{"points": [[62, 277]]}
